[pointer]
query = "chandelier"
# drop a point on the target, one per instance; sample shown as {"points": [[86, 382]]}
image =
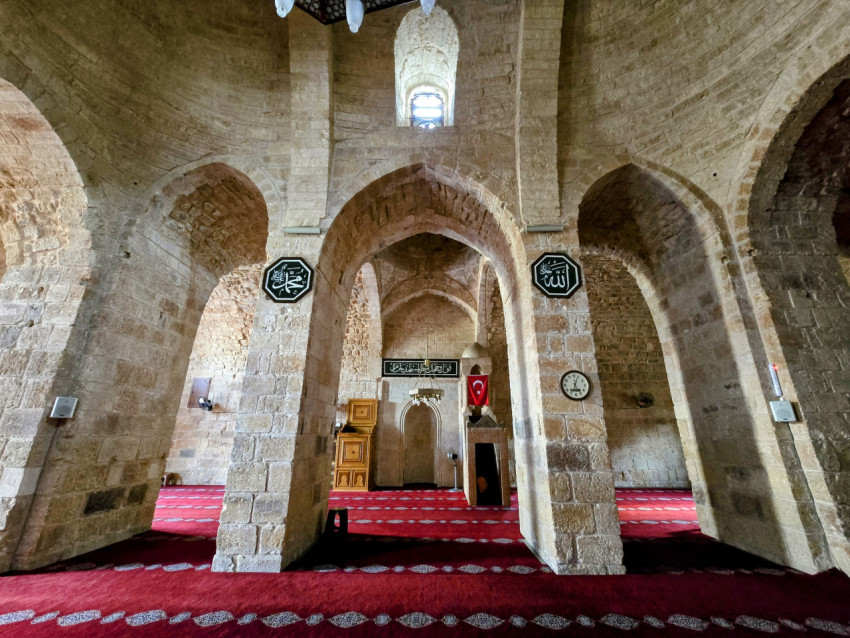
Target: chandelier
{"points": [[420, 395], [329, 11]]}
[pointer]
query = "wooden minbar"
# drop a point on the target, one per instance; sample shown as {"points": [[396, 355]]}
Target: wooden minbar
{"points": [[355, 445], [480, 437]]}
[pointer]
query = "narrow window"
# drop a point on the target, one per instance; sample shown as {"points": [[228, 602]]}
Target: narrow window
{"points": [[427, 110], [426, 52]]}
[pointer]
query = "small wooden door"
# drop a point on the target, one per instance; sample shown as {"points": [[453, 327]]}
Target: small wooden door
{"points": [[420, 433]]}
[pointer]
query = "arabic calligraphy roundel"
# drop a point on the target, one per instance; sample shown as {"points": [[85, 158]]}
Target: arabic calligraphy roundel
{"points": [[556, 275], [288, 279]]}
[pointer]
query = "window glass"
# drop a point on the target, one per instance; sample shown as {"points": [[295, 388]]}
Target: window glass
{"points": [[427, 110]]}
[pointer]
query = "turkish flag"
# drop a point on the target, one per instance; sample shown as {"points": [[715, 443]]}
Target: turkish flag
{"points": [[477, 390]]}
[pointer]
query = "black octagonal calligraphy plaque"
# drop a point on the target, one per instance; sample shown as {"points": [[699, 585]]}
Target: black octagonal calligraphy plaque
{"points": [[556, 275], [288, 279]]}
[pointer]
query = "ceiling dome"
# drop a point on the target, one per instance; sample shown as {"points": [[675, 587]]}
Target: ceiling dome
{"points": [[475, 351]]}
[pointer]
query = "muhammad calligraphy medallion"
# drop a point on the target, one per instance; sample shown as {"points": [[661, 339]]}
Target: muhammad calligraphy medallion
{"points": [[288, 279], [556, 275]]}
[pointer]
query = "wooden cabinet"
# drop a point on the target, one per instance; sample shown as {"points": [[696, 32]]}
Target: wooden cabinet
{"points": [[353, 469]]}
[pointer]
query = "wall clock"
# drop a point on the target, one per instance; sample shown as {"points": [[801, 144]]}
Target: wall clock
{"points": [[575, 385]]}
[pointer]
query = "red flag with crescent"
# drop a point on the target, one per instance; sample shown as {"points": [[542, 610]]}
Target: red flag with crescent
{"points": [[477, 390]]}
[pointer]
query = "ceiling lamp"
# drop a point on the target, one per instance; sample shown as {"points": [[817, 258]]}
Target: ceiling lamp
{"points": [[354, 14], [283, 7], [330, 11], [420, 395]]}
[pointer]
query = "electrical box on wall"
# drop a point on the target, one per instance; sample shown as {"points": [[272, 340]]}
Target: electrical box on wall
{"points": [[63, 408], [783, 411]]}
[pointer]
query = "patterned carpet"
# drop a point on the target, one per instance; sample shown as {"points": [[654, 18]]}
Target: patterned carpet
{"points": [[423, 562]]}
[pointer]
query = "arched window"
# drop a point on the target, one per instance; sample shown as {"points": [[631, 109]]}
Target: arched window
{"points": [[426, 49]]}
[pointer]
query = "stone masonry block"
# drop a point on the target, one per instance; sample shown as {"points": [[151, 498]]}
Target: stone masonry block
{"points": [[573, 518], [569, 457], [236, 539], [593, 487], [247, 477]]}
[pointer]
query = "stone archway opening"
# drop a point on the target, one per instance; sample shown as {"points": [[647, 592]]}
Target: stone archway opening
{"points": [[203, 439], [798, 236], [643, 435], [220, 218], [45, 268], [630, 220]]}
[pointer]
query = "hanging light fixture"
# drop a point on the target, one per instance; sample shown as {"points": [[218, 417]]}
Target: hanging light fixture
{"points": [[354, 10], [283, 7], [420, 395], [330, 11]]}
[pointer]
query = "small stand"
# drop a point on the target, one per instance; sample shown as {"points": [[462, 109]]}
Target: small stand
{"points": [[453, 458]]}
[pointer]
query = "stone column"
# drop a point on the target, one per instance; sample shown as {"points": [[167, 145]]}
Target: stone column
{"points": [[268, 516], [568, 512]]}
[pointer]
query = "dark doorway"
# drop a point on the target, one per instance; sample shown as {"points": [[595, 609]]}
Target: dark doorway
{"points": [[487, 475]]}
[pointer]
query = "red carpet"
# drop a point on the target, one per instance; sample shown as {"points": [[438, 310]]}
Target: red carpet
{"points": [[387, 578]]}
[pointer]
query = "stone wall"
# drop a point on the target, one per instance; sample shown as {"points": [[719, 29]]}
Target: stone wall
{"points": [[645, 447], [200, 451]]}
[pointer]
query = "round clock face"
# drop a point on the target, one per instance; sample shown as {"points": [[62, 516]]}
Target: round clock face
{"points": [[575, 385]]}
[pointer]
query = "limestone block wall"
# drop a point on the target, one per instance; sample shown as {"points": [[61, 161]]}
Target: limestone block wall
{"points": [[367, 142], [690, 102], [360, 368], [200, 450], [645, 447]]}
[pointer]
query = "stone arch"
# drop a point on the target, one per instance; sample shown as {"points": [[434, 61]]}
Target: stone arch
{"points": [[415, 199], [45, 271], [632, 215], [157, 197], [438, 286], [426, 51], [197, 229], [367, 294], [793, 240], [438, 434], [646, 448], [360, 370], [494, 193]]}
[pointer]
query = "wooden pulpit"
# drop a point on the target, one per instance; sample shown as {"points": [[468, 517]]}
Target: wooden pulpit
{"points": [[355, 445]]}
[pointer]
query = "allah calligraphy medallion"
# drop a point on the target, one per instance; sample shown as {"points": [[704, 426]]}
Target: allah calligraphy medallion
{"points": [[556, 275], [288, 279]]}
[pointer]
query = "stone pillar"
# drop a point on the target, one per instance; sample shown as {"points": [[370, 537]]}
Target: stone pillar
{"points": [[274, 467], [568, 512], [537, 110]]}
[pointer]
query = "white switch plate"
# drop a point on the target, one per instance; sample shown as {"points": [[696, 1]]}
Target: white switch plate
{"points": [[783, 411], [63, 408]]}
